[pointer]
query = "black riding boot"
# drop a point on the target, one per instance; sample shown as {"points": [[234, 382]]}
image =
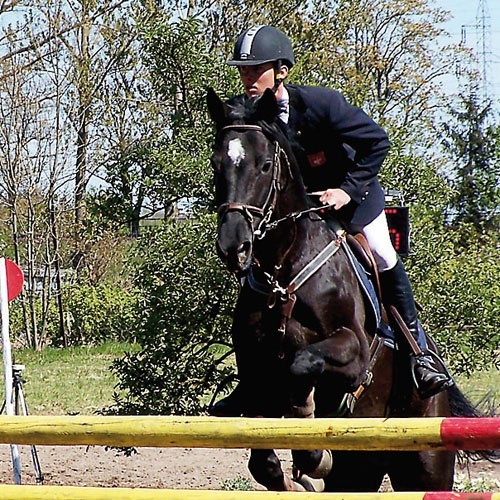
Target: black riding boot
{"points": [[430, 374]]}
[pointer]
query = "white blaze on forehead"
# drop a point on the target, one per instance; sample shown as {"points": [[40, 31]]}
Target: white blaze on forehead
{"points": [[236, 151]]}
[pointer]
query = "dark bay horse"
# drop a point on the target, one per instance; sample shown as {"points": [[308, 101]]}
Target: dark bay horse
{"points": [[302, 333]]}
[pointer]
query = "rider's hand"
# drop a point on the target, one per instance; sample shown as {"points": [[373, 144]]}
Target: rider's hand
{"points": [[335, 198]]}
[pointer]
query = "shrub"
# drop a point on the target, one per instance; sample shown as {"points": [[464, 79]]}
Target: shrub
{"points": [[92, 315], [186, 301], [106, 311], [456, 276]]}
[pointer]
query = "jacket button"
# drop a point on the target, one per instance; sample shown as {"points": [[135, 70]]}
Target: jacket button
{"points": [[299, 133]]}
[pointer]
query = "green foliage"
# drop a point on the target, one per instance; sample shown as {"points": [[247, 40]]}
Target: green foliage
{"points": [[464, 483], [178, 56], [474, 145], [456, 276], [92, 315], [100, 313], [415, 177], [184, 321], [237, 484]]}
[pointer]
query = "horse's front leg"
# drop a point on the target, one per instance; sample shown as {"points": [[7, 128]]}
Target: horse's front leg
{"points": [[265, 467], [315, 463], [340, 355]]}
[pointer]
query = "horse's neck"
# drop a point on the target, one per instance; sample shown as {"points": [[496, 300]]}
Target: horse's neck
{"points": [[284, 243]]}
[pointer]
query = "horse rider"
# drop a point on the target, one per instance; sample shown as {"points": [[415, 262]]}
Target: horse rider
{"points": [[340, 150]]}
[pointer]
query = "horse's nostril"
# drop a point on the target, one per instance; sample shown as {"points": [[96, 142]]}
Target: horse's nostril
{"points": [[244, 248]]}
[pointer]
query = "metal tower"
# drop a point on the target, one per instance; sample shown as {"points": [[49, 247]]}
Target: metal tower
{"points": [[482, 28], [484, 47]]}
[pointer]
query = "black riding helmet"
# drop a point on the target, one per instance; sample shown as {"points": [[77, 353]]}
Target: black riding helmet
{"points": [[262, 44]]}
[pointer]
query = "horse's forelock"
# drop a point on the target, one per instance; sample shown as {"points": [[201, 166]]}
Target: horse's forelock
{"points": [[241, 110], [244, 110]]}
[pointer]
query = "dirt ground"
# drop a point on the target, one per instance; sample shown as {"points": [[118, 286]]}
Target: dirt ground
{"points": [[165, 468]]}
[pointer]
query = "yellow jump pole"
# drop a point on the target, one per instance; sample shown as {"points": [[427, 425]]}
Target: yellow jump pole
{"points": [[15, 492], [211, 432]]}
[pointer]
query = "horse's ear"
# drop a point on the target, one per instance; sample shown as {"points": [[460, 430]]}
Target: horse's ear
{"points": [[216, 108], [267, 107]]}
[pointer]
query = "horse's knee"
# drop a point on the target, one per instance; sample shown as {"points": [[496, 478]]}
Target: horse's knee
{"points": [[308, 364], [265, 468], [305, 371]]}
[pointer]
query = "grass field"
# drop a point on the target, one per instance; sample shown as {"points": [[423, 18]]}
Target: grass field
{"points": [[69, 381], [77, 380]]}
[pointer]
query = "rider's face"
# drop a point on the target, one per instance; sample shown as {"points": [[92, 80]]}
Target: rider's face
{"points": [[256, 79]]}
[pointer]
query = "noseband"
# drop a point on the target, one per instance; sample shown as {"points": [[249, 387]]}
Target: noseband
{"points": [[248, 211]]}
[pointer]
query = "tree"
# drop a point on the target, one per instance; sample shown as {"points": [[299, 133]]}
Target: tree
{"points": [[31, 138], [474, 172], [41, 153], [89, 69]]}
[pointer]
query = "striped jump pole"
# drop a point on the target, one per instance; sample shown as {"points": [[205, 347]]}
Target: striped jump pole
{"points": [[15, 492], [369, 434]]}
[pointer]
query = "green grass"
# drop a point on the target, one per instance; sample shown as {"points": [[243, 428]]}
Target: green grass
{"points": [[238, 484], [483, 389], [76, 380]]}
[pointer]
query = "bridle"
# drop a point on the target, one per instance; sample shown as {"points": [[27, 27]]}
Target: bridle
{"points": [[266, 211]]}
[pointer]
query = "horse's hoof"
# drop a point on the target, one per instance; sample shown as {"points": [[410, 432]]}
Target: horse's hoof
{"points": [[310, 484], [325, 466]]}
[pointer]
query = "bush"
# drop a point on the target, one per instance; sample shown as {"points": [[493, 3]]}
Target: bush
{"points": [[456, 276], [184, 321], [100, 313], [92, 315]]}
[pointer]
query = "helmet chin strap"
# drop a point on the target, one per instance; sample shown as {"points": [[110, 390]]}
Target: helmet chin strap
{"points": [[277, 79], [277, 82]]}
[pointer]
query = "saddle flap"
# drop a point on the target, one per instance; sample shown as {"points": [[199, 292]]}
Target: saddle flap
{"points": [[358, 244]]}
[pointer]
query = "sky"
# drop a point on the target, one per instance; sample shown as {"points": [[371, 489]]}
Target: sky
{"points": [[467, 18]]}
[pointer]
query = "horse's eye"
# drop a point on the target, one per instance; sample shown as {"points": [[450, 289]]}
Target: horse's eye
{"points": [[267, 166]]}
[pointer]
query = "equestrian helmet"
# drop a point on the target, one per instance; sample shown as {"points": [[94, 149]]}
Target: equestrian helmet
{"points": [[262, 44]]}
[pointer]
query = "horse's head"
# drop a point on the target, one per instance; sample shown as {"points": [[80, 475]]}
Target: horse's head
{"points": [[246, 162]]}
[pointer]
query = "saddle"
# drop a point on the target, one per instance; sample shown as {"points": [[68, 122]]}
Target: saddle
{"points": [[363, 263], [358, 244]]}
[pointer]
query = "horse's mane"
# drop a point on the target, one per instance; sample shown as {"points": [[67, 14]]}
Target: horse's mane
{"points": [[244, 110]]}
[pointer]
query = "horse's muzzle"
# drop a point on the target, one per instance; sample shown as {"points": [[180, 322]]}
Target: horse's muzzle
{"points": [[236, 258], [235, 241]]}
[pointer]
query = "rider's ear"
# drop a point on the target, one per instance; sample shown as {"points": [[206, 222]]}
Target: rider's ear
{"points": [[267, 107], [216, 108]]}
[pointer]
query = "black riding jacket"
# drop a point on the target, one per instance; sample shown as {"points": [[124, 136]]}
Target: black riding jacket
{"points": [[338, 146]]}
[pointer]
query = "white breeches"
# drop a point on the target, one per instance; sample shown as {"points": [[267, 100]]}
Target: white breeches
{"points": [[377, 236]]}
